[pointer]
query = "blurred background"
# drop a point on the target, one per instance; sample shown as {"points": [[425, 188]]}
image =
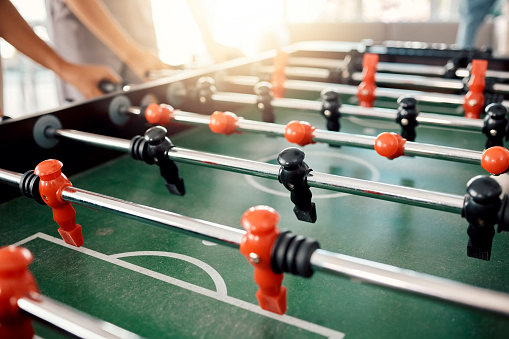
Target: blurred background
{"points": [[247, 25]]}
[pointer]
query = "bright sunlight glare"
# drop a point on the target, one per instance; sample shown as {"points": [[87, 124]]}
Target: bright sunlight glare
{"points": [[249, 26]]}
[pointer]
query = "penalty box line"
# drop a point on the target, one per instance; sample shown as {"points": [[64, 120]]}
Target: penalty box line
{"points": [[308, 326]]}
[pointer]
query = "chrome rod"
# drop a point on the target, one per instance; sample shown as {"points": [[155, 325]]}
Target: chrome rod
{"points": [[443, 153], [344, 139], [412, 80], [419, 69], [241, 125], [301, 72], [239, 98], [103, 141], [393, 67], [199, 228], [501, 88], [424, 118], [394, 93], [463, 72], [401, 194], [69, 319], [409, 281], [237, 165], [190, 118], [261, 127], [297, 104], [315, 62], [428, 119], [9, 178], [131, 110], [380, 78], [407, 195], [431, 119], [411, 148]]}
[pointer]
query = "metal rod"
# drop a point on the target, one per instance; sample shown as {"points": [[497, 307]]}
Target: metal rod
{"points": [[199, 228], [329, 262], [103, 141], [424, 118], [412, 80], [10, 178], [411, 148], [428, 119], [411, 196], [394, 67], [442, 152], [397, 67], [315, 62], [69, 319], [409, 281], [241, 125], [313, 86], [398, 76], [237, 98], [308, 105], [300, 72], [131, 110], [380, 78], [343, 139], [489, 74]]}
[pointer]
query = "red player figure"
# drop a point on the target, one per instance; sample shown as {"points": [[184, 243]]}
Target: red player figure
{"points": [[390, 145], [299, 132], [278, 76], [474, 99], [256, 245], [366, 89], [223, 123], [159, 114], [53, 181], [15, 282]]}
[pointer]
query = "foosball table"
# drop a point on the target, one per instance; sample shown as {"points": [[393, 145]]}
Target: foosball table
{"points": [[381, 202]]}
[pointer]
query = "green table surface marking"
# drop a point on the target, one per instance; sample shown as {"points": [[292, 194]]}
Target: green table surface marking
{"points": [[415, 238]]}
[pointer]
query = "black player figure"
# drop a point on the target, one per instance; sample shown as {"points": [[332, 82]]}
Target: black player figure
{"points": [[330, 109], [264, 97], [481, 209], [407, 117], [352, 63], [495, 125], [205, 88], [293, 175], [153, 148]]}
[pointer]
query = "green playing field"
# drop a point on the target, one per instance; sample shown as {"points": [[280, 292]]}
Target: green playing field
{"points": [[160, 283]]}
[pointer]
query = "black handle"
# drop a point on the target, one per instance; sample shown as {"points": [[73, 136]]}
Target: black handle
{"points": [[107, 86]]}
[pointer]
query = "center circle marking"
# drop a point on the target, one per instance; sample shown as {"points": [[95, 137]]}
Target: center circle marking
{"points": [[374, 177]]}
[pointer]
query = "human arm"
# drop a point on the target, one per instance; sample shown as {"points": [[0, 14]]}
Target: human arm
{"points": [[98, 19], [15, 30]]}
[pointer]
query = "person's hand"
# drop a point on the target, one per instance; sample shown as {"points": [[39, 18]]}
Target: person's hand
{"points": [[143, 61], [86, 78]]}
